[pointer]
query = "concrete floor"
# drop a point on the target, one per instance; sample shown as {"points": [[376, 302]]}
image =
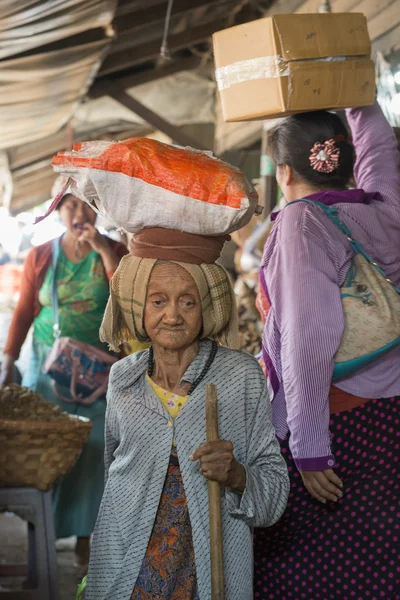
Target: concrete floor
{"points": [[13, 550]]}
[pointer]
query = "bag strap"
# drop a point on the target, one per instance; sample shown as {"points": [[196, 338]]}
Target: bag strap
{"points": [[55, 248], [333, 214]]}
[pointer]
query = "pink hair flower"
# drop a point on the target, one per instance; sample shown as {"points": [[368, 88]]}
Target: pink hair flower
{"points": [[324, 157]]}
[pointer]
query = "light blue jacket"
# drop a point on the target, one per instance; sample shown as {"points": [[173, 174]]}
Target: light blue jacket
{"points": [[138, 446]]}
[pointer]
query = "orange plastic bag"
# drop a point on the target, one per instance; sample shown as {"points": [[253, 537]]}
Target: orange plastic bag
{"points": [[142, 183]]}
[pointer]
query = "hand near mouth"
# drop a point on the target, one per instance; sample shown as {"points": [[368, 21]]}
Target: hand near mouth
{"points": [[90, 235], [97, 242]]}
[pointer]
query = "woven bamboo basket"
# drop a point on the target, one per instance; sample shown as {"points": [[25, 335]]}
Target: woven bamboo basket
{"points": [[36, 454]]}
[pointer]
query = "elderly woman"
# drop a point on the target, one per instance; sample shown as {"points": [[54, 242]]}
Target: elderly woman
{"points": [[339, 435], [152, 534]]}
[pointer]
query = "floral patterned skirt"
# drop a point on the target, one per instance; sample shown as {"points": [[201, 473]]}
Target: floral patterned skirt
{"points": [[168, 571]]}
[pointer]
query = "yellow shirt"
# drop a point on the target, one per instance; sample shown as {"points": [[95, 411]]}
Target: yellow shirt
{"points": [[172, 402], [133, 346]]}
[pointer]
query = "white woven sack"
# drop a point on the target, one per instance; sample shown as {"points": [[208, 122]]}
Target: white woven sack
{"points": [[133, 202]]}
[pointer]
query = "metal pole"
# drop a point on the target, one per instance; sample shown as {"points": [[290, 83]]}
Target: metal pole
{"points": [[268, 187], [325, 7]]}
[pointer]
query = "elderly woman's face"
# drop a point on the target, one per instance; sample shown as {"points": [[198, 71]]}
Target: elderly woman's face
{"points": [[172, 315]]}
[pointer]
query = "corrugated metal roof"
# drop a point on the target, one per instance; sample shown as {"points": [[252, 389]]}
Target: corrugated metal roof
{"points": [[54, 53]]}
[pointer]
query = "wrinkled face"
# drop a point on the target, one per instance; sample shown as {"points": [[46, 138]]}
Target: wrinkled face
{"points": [[75, 213], [172, 315]]}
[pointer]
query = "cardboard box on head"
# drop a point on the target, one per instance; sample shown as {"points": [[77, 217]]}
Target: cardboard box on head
{"points": [[284, 64]]}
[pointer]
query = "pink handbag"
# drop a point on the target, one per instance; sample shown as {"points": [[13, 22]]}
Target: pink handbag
{"points": [[81, 367]]}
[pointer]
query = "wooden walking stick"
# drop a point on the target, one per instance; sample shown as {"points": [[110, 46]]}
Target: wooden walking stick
{"points": [[214, 503]]}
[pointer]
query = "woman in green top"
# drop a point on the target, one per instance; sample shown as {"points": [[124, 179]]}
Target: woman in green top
{"points": [[86, 261]]}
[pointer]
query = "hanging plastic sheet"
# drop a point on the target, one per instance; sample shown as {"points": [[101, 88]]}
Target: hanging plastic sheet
{"points": [[27, 24], [39, 93]]}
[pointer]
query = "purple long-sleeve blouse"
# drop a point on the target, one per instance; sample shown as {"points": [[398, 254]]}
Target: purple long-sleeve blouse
{"points": [[305, 262]]}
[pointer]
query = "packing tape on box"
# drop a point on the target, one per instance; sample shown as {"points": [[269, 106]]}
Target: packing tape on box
{"points": [[264, 67]]}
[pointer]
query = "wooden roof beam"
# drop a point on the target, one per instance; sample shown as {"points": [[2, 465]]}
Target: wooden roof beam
{"points": [[149, 15], [125, 7], [151, 50], [150, 74], [151, 117]]}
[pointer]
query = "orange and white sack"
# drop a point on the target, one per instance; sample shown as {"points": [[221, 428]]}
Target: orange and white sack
{"points": [[142, 183]]}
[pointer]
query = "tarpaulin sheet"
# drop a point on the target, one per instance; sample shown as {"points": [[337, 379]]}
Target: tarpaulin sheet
{"points": [[27, 24], [39, 93]]}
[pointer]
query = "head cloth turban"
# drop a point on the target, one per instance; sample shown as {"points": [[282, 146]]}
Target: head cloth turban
{"points": [[124, 316]]}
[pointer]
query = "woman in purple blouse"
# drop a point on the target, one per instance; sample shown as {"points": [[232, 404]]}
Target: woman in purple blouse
{"points": [[338, 537]]}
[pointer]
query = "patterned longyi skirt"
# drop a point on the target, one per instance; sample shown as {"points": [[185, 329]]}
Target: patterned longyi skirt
{"points": [[347, 550]]}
